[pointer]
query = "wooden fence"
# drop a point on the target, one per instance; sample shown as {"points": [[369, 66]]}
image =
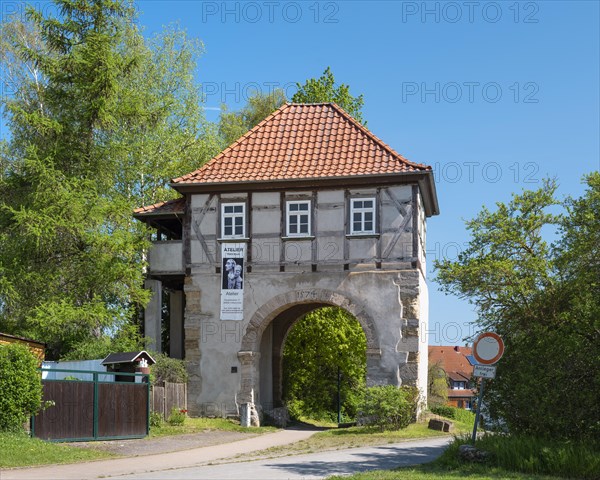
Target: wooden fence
{"points": [[167, 396], [93, 410]]}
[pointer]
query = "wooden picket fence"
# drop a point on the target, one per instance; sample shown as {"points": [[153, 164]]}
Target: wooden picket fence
{"points": [[166, 396]]}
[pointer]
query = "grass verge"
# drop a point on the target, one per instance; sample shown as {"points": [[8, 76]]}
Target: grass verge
{"points": [[19, 450], [511, 457], [436, 472], [530, 455], [199, 425]]}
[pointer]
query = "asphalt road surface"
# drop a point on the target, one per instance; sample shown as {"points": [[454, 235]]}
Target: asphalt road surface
{"points": [[310, 466]]}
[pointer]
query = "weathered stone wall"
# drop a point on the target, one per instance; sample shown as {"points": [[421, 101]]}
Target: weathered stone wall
{"points": [[386, 303]]}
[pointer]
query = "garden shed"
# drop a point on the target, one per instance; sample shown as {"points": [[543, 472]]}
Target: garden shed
{"points": [[128, 362]]}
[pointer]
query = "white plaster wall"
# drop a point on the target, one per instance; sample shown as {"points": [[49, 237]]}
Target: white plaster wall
{"points": [[266, 214], [166, 256], [423, 340], [330, 249], [297, 251], [331, 196], [266, 253], [266, 368]]}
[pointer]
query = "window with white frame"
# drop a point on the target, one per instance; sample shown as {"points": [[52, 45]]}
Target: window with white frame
{"points": [[362, 216], [298, 218], [233, 220]]}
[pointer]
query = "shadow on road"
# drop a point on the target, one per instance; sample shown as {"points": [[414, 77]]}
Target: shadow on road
{"points": [[377, 458]]}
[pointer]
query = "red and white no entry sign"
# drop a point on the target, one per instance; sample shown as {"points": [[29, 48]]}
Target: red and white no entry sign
{"points": [[488, 348]]}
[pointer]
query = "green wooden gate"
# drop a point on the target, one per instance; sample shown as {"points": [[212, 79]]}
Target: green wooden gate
{"points": [[92, 409]]}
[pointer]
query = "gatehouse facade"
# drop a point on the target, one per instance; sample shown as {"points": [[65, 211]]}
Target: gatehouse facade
{"points": [[308, 209]]}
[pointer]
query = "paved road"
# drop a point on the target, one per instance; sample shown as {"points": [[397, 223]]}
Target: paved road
{"points": [[144, 465], [311, 466]]}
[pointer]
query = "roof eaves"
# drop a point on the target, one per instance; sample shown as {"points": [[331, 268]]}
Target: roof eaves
{"points": [[187, 187], [429, 192]]}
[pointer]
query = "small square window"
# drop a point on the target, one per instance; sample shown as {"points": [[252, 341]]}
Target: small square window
{"points": [[298, 219], [362, 213], [233, 220]]}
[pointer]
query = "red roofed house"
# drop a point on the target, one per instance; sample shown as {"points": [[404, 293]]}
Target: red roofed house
{"points": [[307, 209], [458, 364]]}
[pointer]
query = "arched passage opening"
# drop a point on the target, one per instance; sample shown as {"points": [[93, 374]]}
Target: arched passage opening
{"points": [[263, 341], [323, 366]]}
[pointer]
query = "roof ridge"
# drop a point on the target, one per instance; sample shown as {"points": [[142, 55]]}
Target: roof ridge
{"points": [[309, 103]]}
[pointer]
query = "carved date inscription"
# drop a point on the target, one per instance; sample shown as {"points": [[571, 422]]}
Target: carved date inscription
{"points": [[306, 295]]}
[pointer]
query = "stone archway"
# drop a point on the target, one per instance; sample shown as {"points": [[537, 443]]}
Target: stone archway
{"points": [[280, 313]]}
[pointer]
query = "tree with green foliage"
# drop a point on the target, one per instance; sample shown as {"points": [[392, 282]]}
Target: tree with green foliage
{"points": [[161, 131], [322, 344], [167, 369], [97, 127], [20, 386], [437, 385], [324, 90], [232, 125], [544, 300]]}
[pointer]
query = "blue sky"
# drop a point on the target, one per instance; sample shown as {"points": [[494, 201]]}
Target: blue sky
{"points": [[494, 95]]}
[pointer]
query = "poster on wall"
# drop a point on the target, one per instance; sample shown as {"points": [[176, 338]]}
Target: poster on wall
{"points": [[232, 281]]}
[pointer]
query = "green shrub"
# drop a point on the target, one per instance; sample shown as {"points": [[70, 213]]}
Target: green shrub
{"points": [[177, 416], [156, 419], [389, 407], [168, 369], [458, 414], [443, 410], [20, 386]]}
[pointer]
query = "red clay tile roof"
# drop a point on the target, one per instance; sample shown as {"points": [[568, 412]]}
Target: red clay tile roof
{"points": [[175, 206], [303, 141], [460, 393], [458, 377], [452, 359]]}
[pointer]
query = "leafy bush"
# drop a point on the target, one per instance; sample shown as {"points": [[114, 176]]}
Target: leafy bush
{"points": [[168, 369], [126, 339], [444, 411], [389, 407], [20, 386], [156, 419], [177, 416], [437, 387], [458, 414]]}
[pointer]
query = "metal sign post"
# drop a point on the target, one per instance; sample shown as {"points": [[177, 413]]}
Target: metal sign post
{"points": [[478, 413], [488, 348]]}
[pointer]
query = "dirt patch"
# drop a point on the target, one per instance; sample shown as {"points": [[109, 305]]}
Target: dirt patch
{"points": [[152, 446]]}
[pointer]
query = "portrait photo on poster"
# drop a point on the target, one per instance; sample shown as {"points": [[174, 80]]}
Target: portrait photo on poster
{"points": [[233, 274]]}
